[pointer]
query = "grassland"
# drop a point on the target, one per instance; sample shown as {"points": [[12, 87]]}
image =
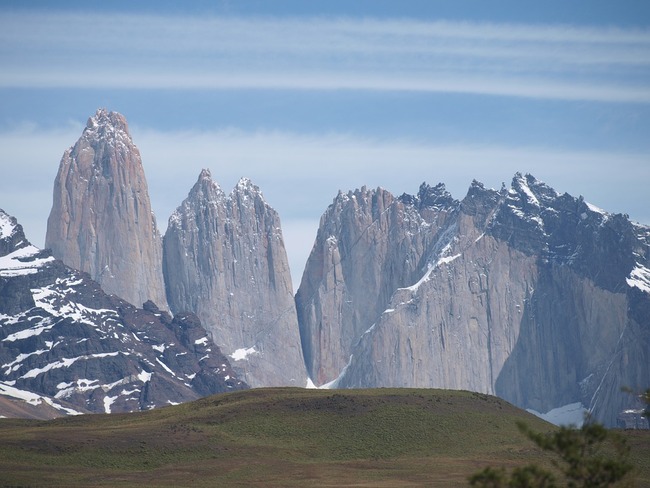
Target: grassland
{"points": [[283, 437]]}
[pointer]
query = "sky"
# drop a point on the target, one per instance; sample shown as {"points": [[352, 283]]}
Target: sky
{"points": [[309, 98]]}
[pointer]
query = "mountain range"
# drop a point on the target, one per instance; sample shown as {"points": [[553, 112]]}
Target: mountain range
{"points": [[537, 297], [66, 346]]}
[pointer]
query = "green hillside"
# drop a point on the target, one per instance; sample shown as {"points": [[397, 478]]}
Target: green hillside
{"points": [[282, 437]]}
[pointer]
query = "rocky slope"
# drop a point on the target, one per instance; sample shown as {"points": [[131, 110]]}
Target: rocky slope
{"points": [[65, 343], [101, 220], [224, 259], [539, 298]]}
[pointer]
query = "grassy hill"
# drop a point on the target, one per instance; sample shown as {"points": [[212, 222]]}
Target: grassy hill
{"points": [[282, 437]]}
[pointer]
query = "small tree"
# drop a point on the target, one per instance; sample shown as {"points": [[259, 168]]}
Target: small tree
{"points": [[590, 456]]}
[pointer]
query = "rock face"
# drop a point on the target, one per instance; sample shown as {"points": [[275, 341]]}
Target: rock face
{"points": [[369, 243], [67, 344], [224, 259], [101, 220], [539, 298]]}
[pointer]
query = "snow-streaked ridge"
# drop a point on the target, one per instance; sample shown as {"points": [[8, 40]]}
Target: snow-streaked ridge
{"points": [[33, 398], [22, 262]]}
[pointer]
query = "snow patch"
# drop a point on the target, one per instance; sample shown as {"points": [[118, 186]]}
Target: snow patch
{"points": [[33, 398], [22, 262], [243, 353], [66, 363], [27, 396], [165, 367], [431, 268], [34, 331], [144, 376], [640, 278], [201, 342], [595, 209], [16, 364], [48, 299], [6, 227], [80, 386], [567, 415], [334, 384], [108, 401]]}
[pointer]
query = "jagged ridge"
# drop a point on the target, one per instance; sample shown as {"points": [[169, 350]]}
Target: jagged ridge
{"points": [[537, 297]]}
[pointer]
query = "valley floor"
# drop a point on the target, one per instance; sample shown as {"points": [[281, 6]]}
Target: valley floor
{"points": [[284, 437]]}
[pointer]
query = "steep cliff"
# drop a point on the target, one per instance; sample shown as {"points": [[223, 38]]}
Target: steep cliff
{"points": [[101, 220], [224, 259], [67, 344], [369, 243], [537, 297]]}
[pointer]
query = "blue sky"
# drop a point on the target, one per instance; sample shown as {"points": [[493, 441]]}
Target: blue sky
{"points": [[306, 98]]}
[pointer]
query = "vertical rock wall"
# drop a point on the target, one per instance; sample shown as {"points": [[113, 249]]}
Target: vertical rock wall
{"points": [[224, 259], [101, 220]]}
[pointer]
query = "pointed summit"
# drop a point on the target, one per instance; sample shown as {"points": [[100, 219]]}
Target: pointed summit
{"points": [[224, 259], [206, 187], [101, 220], [205, 174]]}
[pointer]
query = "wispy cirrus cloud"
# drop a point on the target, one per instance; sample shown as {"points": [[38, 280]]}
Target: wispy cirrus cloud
{"points": [[163, 52]]}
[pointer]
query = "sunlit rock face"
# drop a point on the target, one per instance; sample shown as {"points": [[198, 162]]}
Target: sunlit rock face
{"points": [[101, 220], [540, 298], [369, 243], [224, 259]]}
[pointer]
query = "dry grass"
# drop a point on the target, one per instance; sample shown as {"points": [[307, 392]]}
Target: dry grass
{"points": [[282, 437]]}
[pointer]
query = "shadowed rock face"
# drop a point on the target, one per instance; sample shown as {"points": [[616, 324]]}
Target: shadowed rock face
{"points": [[224, 259], [65, 342], [101, 220], [537, 297]]}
